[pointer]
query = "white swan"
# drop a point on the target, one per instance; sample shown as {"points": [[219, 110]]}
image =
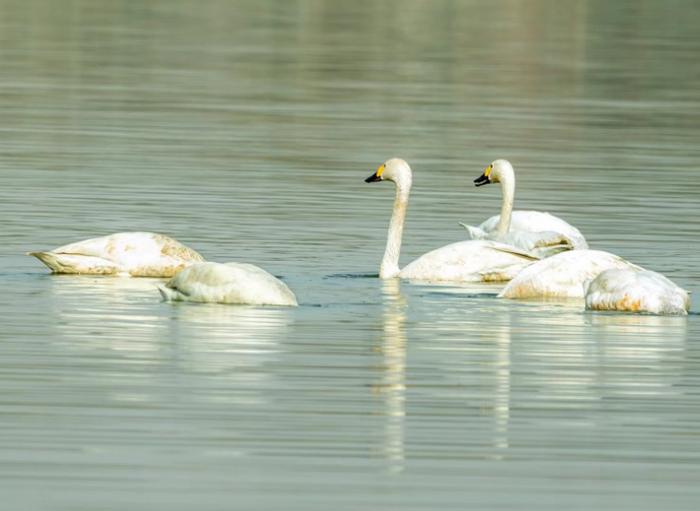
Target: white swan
{"points": [[636, 291], [139, 254], [234, 283], [465, 261], [563, 275], [534, 231]]}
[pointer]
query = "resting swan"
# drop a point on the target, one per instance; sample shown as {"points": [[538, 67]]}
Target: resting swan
{"points": [[234, 283], [636, 291], [465, 261], [138, 254], [563, 275], [534, 231]]}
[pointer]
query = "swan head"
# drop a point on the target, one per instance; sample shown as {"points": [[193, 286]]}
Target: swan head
{"points": [[394, 169], [494, 173]]}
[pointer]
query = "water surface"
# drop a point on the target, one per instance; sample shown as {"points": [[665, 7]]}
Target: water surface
{"points": [[245, 130]]}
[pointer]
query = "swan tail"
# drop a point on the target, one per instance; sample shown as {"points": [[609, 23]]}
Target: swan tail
{"points": [[528, 255], [503, 274], [169, 294], [75, 264], [475, 233], [49, 259], [544, 252]]}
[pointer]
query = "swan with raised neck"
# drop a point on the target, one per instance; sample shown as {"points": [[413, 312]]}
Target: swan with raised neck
{"points": [[535, 231]]}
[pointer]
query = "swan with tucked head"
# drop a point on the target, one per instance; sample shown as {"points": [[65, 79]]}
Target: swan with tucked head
{"points": [[136, 254], [232, 283], [535, 231], [465, 261], [146, 254], [564, 275], [636, 291]]}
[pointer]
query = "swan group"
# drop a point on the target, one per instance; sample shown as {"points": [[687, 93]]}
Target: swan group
{"points": [[147, 254], [538, 254], [464, 261]]}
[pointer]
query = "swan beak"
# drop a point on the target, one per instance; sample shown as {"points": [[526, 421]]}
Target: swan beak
{"points": [[377, 176], [482, 180]]}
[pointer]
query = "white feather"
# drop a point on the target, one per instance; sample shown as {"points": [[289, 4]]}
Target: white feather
{"points": [[563, 275], [636, 291], [469, 261], [139, 254], [233, 283]]}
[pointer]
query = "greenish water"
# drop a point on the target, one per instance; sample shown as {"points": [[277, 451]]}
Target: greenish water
{"points": [[245, 129]]}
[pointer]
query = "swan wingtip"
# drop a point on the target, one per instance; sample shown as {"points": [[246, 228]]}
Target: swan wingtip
{"points": [[166, 293]]}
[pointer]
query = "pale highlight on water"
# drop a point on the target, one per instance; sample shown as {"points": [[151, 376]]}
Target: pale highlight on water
{"points": [[245, 131]]}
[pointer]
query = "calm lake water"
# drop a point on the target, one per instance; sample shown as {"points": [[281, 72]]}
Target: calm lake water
{"points": [[245, 129]]}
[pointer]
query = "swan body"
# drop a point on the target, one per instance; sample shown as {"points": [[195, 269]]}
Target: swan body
{"points": [[563, 275], [469, 261], [138, 254], [540, 243], [636, 291], [529, 230], [232, 283], [465, 261], [529, 221]]}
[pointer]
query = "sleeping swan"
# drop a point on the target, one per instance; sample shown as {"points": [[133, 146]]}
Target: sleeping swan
{"points": [[535, 231], [465, 261], [636, 291], [563, 275], [234, 283], [138, 254]]}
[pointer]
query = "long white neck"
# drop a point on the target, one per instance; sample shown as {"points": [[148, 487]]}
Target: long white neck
{"points": [[507, 180], [390, 262]]}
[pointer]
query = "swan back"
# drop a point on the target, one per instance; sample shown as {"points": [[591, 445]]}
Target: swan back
{"points": [[536, 222], [139, 254], [469, 261], [563, 275], [636, 291], [233, 283], [542, 244], [533, 222]]}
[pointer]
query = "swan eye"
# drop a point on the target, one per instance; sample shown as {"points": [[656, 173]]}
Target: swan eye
{"points": [[488, 170]]}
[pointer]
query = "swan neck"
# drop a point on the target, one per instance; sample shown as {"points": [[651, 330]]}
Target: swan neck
{"points": [[390, 262], [508, 190]]}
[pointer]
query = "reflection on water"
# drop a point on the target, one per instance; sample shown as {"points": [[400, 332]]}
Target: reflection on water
{"points": [[107, 317], [502, 367], [240, 342], [84, 307], [244, 129], [392, 386]]}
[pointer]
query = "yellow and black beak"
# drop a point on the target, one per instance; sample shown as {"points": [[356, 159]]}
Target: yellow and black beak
{"points": [[377, 176], [484, 179]]}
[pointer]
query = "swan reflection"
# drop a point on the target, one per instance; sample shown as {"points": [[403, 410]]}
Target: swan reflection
{"points": [[587, 357], [392, 386], [106, 312], [502, 387], [510, 364], [206, 345], [230, 345]]}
